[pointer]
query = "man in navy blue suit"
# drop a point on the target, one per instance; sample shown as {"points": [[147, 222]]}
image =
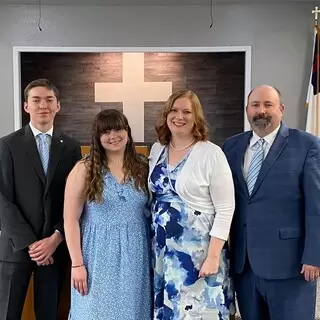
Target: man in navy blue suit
{"points": [[275, 235]]}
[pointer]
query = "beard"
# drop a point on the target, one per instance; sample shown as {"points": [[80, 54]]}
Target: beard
{"points": [[261, 121]]}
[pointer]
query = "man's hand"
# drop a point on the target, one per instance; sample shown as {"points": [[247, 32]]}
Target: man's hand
{"points": [[46, 263], [42, 250], [311, 273]]}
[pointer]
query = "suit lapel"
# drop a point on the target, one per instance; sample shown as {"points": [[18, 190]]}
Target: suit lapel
{"points": [[56, 150], [242, 147], [32, 152], [276, 149]]}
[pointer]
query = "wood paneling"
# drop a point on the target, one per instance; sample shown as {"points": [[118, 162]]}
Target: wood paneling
{"points": [[28, 313], [140, 149], [217, 78]]}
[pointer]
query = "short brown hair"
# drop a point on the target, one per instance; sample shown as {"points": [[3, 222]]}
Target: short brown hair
{"points": [[271, 87], [41, 83], [200, 129]]}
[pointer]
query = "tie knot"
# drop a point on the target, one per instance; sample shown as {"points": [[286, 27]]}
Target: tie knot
{"points": [[43, 136], [261, 142]]}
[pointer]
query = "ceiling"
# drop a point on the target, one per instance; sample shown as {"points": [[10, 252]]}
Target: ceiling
{"points": [[143, 2]]}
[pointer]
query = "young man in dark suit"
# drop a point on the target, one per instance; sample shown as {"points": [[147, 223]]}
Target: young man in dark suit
{"points": [[34, 164]]}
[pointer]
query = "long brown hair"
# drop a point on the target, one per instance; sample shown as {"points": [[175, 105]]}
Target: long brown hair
{"points": [[200, 129], [135, 165]]}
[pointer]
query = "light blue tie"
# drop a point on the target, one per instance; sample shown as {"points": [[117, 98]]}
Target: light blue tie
{"points": [[44, 150], [255, 165]]}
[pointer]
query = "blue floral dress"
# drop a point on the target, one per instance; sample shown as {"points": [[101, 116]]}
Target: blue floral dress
{"points": [[180, 243]]}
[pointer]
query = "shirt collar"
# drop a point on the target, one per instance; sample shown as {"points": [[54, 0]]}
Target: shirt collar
{"points": [[268, 138], [35, 131]]}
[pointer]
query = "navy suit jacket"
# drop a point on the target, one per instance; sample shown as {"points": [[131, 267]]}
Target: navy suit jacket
{"points": [[278, 226]]}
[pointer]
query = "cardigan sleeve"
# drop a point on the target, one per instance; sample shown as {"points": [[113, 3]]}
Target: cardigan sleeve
{"points": [[222, 194]]}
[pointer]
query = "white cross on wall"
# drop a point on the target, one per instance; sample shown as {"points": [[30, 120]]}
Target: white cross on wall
{"points": [[133, 92]]}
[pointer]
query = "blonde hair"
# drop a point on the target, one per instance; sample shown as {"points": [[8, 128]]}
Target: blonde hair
{"points": [[200, 129]]}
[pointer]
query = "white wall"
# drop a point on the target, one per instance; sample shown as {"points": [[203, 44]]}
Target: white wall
{"points": [[280, 36]]}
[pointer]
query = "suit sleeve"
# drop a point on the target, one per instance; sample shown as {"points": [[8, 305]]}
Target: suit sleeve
{"points": [[77, 154], [76, 157], [12, 221], [311, 189]]}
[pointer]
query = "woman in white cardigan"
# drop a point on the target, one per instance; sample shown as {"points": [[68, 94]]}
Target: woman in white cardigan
{"points": [[192, 209]]}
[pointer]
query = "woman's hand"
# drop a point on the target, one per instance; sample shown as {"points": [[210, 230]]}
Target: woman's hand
{"points": [[211, 264], [210, 267], [79, 279]]}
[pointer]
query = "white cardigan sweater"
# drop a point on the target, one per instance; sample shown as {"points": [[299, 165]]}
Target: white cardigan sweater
{"points": [[205, 184]]}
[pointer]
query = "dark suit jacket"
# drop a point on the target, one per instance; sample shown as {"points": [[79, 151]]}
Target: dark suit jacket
{"points": [[278, 226], [31, 205]]}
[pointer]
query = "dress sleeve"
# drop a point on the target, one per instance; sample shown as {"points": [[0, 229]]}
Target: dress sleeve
{"points": [[222, 194]]}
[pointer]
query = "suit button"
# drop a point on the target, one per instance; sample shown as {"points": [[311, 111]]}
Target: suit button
{"points": [[249, 201]]}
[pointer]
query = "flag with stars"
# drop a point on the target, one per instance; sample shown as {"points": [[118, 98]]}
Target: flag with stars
{"points": [[313, 97]]}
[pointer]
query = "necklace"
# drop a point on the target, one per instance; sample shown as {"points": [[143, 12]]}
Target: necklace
{"points": [[180, 149], [119, 161]]}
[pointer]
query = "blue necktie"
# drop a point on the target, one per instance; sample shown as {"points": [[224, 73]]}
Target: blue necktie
{"points": [[255, 165], [44, 150]]}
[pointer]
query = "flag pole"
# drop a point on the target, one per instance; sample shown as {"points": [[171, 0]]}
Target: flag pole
{"points": [[317, 100], [316, 11]]}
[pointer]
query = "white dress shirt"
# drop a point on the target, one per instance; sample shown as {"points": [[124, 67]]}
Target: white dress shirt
{"points": [[269, 139], [35, 132]]}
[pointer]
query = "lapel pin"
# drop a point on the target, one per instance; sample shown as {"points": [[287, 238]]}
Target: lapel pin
{"points": [[61, 141]]}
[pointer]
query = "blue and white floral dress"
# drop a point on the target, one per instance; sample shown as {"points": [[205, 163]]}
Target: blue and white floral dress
{"points": [[180, 244]]}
